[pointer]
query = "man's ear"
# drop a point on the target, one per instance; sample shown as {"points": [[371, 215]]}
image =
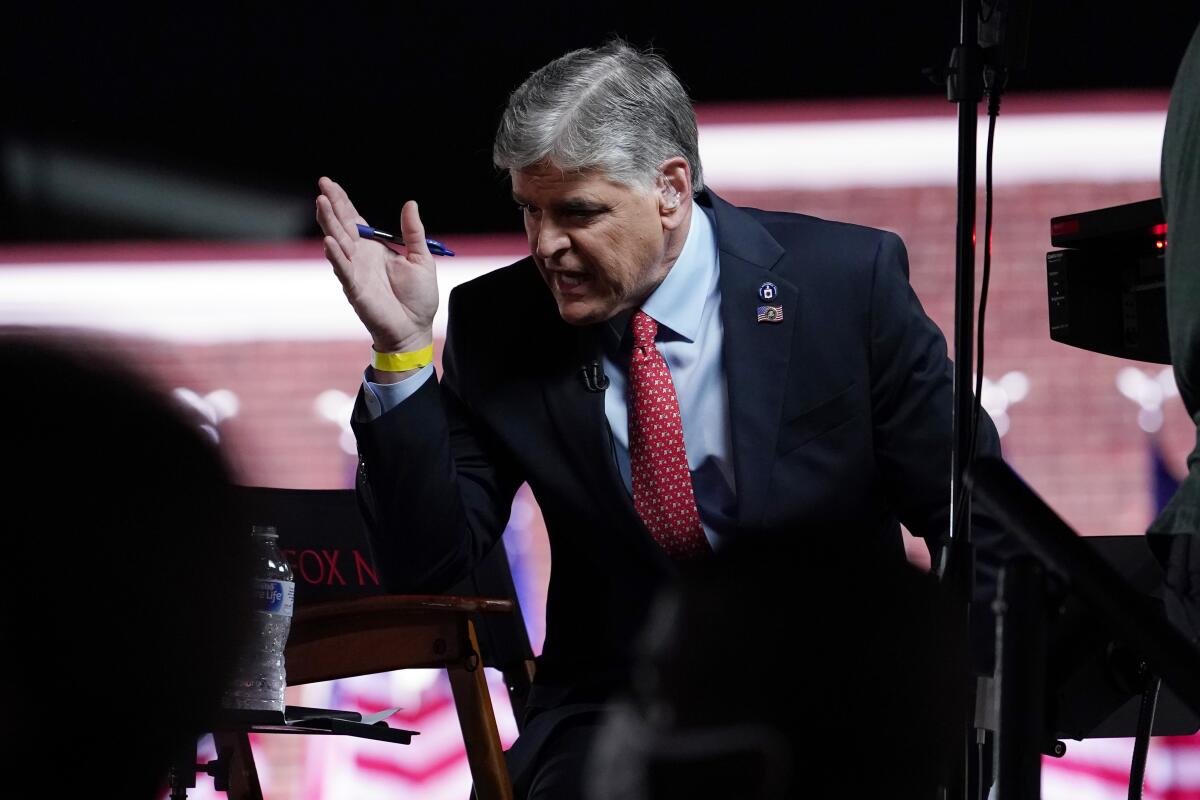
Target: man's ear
{"points": [[674, 191]]}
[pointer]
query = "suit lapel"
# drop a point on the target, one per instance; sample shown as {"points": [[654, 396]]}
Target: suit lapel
{"points": [[578, 416], [756, 354]]}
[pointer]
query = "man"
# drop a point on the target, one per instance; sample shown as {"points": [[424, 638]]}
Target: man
{"points": [[667, 372]]}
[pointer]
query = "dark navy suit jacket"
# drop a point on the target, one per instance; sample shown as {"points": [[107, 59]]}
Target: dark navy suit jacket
{"points": [[840, 415]]}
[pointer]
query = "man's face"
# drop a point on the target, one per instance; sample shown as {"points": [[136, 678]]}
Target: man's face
{"points": [[599, 245]]}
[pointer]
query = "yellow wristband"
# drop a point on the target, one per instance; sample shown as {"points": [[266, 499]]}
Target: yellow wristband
{"points": [[400, 362]]}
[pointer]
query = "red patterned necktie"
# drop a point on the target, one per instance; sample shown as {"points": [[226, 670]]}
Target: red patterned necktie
{"points": [[662, 483]]}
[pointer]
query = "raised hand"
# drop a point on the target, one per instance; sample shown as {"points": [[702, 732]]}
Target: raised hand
{"points": [[394, 295]]}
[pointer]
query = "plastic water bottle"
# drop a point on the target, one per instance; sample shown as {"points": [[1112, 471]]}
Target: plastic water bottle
{"points": [[260, 678]]}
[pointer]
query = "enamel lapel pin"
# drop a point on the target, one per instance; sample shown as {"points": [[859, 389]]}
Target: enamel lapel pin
{"points": [[769, 312]]}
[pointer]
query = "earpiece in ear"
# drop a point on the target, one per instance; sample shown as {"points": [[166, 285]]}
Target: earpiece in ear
{"points": [[672, 200]]}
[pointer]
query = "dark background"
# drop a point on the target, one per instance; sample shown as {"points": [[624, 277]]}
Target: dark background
{"points": [[400, 100]]}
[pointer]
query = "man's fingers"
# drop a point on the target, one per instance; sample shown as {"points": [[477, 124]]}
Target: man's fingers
{"points": [[334, 228], [339, 221], [325, 216], [340, 201], [337, 256], [412, 230]]}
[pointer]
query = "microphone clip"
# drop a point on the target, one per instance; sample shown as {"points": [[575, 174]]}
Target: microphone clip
{"points": [[594, 379]]}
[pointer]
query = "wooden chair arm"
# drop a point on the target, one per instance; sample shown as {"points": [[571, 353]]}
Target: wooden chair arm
{"points": [[382, 633], [385, 604]]}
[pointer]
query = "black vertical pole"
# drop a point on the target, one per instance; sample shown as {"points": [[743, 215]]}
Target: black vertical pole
{"points": [[964, 87], [967, 90], [1021, 678]]}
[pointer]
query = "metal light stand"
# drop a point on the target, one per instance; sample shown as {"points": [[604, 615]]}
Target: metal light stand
{"points": [[964, 86]]}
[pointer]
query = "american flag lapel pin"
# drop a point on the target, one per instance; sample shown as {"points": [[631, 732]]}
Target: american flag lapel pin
{"points": [[770, 313]]}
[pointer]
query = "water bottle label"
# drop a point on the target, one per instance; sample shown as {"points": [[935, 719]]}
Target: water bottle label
{"points": [[275, 597]]}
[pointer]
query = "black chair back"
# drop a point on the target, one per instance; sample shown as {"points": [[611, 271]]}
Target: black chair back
{"points": [[322, 535]]}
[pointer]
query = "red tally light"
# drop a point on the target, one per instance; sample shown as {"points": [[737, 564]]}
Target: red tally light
{"points": [[1064, 227], [1159, 229]]}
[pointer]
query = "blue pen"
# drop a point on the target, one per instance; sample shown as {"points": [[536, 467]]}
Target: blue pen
{"points": [[367, 232]]}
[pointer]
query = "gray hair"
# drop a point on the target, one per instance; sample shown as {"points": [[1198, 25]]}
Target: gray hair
{"points": [[612, 108]]}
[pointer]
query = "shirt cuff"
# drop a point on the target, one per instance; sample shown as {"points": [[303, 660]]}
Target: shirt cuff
{"points": [[380, 398]]}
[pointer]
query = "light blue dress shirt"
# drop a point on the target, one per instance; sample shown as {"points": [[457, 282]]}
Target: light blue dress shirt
{"points": [[687, 307]]}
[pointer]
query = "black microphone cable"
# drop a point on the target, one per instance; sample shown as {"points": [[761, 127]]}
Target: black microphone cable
{"points": [[994, 80]]}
